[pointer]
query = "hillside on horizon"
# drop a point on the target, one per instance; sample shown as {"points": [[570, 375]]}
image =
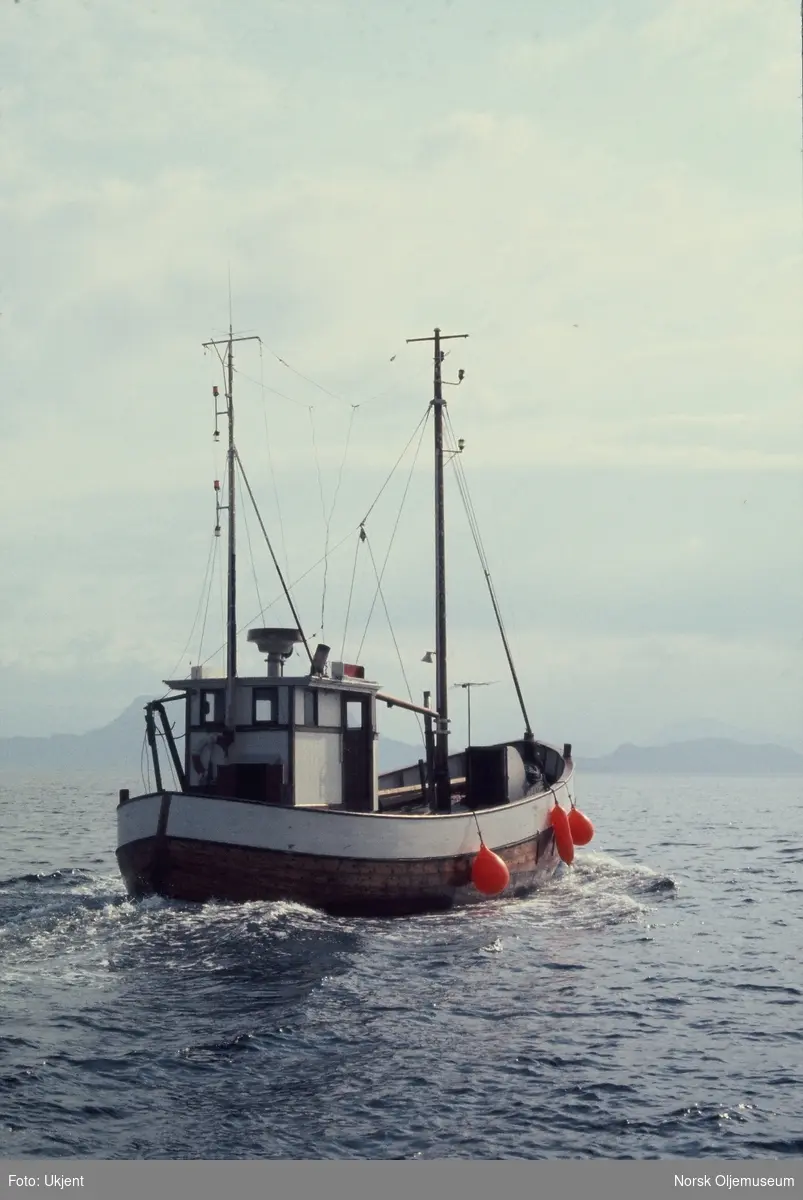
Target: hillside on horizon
{"points": [[698, 756], [119, 744]]}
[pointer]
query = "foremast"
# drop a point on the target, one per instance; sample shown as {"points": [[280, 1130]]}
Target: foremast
{"points": [[227, 362]]}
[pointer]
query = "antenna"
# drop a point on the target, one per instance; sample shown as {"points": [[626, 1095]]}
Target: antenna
{"points": [[472, 683]]}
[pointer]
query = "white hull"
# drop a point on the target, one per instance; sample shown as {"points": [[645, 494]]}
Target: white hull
{"points": [[197, 847], [334, 833]]}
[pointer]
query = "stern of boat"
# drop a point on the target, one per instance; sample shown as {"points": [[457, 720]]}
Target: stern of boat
{"points": [[141, 833]]}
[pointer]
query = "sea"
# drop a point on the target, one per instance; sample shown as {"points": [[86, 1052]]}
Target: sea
{"points": [[646, 1003]]}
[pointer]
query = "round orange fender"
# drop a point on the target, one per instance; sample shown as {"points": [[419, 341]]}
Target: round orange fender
{"points": [[563, 833], [582, 830], [489, 872]]}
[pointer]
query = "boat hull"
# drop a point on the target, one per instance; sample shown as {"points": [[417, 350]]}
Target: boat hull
{"points": [[183, 869], [203, 848]]}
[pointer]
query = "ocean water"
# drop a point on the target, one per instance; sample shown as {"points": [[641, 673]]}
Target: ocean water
{"points": [[646, 1003]]}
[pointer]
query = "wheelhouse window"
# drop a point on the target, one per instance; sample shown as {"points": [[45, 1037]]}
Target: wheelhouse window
{"points": [[211, 707], [266, 706], [355, 713]]}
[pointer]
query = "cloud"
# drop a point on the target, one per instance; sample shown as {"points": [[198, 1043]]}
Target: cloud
{"points": [[609, 207], [681, 26]]}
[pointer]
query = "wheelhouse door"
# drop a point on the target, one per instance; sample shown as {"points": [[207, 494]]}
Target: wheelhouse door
{"points": [[358, 754]]}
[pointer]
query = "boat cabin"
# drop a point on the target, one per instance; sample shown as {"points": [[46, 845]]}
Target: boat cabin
{"points": [[288, 740]]}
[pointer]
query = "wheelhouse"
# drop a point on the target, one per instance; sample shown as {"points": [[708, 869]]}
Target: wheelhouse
{"points": [[290, 740]]}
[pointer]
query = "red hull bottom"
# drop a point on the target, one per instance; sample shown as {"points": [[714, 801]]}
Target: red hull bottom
{"points": [[196, 871]]}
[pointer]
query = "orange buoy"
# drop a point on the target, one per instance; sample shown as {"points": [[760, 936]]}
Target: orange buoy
{"points": [[489, 872], [581, 828], [563, 833]]}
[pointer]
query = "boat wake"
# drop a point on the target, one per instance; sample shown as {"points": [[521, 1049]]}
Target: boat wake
{"points": [[71, 926], [599, 890], [77, 927]]}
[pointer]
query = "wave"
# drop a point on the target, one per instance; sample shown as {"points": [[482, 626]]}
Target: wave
{"points": [[71, 876]]}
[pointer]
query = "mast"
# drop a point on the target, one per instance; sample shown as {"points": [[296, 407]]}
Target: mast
{"points": [[227, 361], [443, 792], [231, 590]]}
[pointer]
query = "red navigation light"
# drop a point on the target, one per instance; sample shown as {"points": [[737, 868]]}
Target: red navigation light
{"points": [[215, 392], [217, 485], [353, 672]]}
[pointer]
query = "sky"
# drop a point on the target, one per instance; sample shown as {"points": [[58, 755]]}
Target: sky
{"points": [[607, 197]]}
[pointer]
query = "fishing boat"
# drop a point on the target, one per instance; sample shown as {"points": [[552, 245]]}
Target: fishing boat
{"points": [[277, 794]]}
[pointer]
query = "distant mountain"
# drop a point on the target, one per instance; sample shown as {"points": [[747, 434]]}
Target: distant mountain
{"points": [[711, 727], [119, 744], [701, 756]]}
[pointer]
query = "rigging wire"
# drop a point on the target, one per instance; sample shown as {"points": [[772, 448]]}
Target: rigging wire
{"points": [[250, 548], [311, 411], [462, 484], [215, 567], [380, 577], [360, 538], [270, 459], [395, 465], [379, 395], [299, 579], [333, 395], [392, 633], [285, 588], [306, 378], [266, 388], [209, 557], [328, 518], [354, 408], [346, 537]]}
